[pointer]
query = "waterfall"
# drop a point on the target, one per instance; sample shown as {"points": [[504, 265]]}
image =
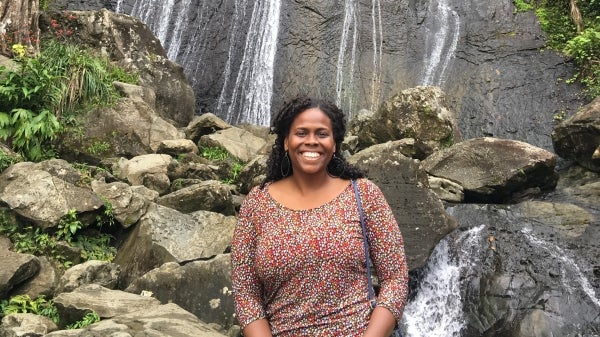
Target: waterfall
{"points": [[346, 91], [377, 53], [245, 96], [569, 268], [350, 25], [252, 90], [443, 30], [436, 310]]}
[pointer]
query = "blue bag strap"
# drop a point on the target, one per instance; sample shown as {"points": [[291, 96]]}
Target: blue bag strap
{"points": [[365, 244]]}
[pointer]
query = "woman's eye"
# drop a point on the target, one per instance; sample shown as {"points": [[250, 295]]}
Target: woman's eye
{"points": [[323, 134]]}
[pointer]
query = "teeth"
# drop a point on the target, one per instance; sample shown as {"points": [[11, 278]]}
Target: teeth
{"points": [[310, 154]]}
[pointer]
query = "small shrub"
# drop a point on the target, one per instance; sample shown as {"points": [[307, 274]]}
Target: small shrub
{"points": [[214, 153], [88, 319], [24, 304]]}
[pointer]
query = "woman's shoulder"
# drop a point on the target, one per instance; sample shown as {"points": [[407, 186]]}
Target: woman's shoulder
{"points": [[367, 186]]}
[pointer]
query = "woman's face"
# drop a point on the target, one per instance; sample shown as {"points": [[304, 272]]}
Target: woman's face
{"points": [[310, 142]]}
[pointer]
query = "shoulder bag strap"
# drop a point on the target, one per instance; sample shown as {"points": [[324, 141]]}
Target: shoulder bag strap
{"points": [[365, 244]]}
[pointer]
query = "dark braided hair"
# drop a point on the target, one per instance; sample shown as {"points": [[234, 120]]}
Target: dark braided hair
{"points": [[281, 127]]}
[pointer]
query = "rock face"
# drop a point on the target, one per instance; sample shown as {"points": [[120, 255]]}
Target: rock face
{"points": [[578, 137], [418, 211], [420, 113], [494, 170], [500, 80], [130, 43]]}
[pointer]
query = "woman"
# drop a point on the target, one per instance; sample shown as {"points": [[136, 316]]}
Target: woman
{"points": [[297, 254]]}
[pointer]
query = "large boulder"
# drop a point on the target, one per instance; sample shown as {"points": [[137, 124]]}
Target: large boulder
{"points": [[201, 287], [494, 170], [210, 195], [148, 170], [102, 273], [129, 42], [27, 324], [241, 144], [420, 113], [167, 235], [156, 320], [128, 202], [42, 197], [15, 267], [418, 211], [129, 128], [73, 305], [578, 137]]}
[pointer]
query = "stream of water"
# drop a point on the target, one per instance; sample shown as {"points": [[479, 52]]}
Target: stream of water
{"points": [[436, 310], [441, 39]]}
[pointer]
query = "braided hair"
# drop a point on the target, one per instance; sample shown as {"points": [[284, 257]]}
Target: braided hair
{"points": [[281, 127]]}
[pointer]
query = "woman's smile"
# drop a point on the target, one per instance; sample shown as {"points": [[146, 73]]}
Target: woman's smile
{"points": [[310, 144]]}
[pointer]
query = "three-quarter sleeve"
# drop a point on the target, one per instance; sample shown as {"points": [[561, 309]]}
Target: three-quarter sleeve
{"points": [[386, 248], [247, 290]]}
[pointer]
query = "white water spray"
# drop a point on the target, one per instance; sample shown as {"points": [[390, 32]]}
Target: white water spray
{"points": [[252, 90], [377, 53], [569, 268], [350, 27], [443, 25], [436, 310]]}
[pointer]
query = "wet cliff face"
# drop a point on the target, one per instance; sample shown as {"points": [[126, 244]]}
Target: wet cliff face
{"points": [[490, 61]]}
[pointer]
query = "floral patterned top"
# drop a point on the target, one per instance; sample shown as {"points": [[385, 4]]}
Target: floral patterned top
{"points": [[304, 270]]}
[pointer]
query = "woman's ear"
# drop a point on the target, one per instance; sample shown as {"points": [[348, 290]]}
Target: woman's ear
{"points": [[285, 144]]}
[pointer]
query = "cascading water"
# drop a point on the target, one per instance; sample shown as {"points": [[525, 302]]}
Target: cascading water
{"points": [[347, 56], [436, 310], [569, 268], [443, 30], [245, 96], [350, 27], [251, 91]]}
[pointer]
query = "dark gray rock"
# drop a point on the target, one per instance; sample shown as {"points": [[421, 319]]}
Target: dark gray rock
{"points": [[167, 235], [201, 287], [494, 170], [578, 137], [418, 211]]}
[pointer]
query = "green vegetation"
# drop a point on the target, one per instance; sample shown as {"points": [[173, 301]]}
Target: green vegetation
{"points": [[6, 160], [24, 304], [88, 319], [33, 240], [214, 153], [573, 27], [41, 306], [219, 154], [40, 99]]}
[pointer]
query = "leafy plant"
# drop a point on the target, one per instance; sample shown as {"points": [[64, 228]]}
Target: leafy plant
{"points": [[235, 172], [33, 240], [214, 153], [522, 6], [7, 160], [68, 226], [40, 98], [88, 319], [24, 304]]}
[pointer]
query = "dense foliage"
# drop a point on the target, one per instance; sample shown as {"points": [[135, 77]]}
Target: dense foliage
{"points": [[573, 27], [40, 97]]}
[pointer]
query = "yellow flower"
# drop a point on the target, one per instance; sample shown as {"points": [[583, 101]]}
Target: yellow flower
{"points": [[19, 50]]}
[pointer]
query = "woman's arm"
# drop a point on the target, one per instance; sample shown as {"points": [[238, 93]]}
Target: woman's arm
{"points": [[381, 324], [258, 328], [387, 253], [247, 288]]}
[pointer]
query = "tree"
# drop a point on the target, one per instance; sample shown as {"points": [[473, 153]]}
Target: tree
{"points": [[576, 15], [19, 25]]}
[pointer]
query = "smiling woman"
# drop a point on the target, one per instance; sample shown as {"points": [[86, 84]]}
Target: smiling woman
{"points": [[299, 265]]}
